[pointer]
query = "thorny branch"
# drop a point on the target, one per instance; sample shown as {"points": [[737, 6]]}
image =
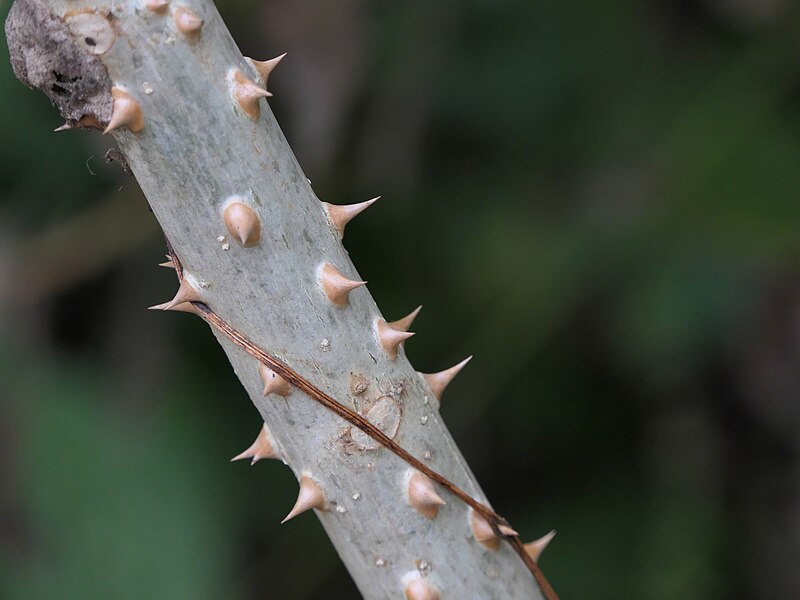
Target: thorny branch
{"points": [[43, 51], [495, 520]]}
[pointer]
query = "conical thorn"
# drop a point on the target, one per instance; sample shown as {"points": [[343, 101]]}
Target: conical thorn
{"points": [[186, 293], [421, 589], [273, 383], [484, 533], [404, 324], [535, 548], [422, 495], [438, 382], [262, 448], [187, 21], [390, 338], [186, 307], [242, 223], [156, 6], [265, 67], [336, 286], [247, 94], [341, 215], [127, 112], [310, 496]]}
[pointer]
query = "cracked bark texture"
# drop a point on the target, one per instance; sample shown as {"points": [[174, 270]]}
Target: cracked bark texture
{"points": [[196, 151]]}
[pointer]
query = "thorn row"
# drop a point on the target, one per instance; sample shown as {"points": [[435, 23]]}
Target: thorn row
{"points": [[311, 494], [496, 522], [127, 112], [243, 224]]}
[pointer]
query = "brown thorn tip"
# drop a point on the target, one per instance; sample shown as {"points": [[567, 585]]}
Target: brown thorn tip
{"points": [[126, 112], [536, 547], [341, 215], [247, 94], [421, 589], [260, 449], [310, 496], [405, 323], [242, 223], [273, 383], [156, 6], [265, 67], [336, 286], [391, 338], [169, 264], [438, 382], [187, 21], [422, 495], [65, 127]]}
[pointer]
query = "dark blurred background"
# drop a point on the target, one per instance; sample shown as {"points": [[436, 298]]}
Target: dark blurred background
{"points": [[597, 199]]}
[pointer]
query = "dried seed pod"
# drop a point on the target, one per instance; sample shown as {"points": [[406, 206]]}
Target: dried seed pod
{"points": [[310, 496], [127, 112], [242, 223], [336, 286]]}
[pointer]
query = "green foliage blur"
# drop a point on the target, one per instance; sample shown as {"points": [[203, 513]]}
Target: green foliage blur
{"points": [[597, 199]]}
